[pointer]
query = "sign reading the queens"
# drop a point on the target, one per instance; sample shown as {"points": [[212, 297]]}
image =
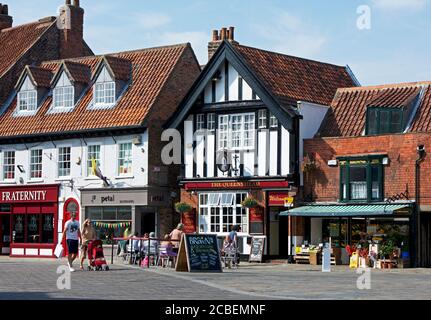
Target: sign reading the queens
{"points": [[236, 185], [20, 195]]}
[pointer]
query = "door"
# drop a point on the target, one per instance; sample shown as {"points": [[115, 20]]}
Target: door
{"points": [[71, 205], [148, 223], [284, 236], [5, 234]]}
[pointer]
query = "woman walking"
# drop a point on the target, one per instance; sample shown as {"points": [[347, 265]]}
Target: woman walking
{"points": [[88, 234]]}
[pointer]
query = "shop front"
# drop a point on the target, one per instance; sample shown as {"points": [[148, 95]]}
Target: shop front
{"points": [[373, 231], [218, 206], [141, 210], [29, 220]]}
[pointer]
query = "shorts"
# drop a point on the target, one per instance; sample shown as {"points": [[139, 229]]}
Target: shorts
{"points": [[72, 246]]}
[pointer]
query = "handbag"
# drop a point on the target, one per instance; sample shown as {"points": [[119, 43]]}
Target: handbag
{"points": [[58, 252]]}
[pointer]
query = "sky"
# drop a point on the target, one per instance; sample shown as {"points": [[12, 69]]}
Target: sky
{"points": [[382, 41]]}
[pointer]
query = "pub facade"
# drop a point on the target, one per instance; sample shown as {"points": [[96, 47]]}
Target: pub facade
{"points": [[242, 125]]}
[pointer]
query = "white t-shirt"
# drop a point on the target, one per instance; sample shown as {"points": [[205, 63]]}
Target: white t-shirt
{"points": [[71, 228]]}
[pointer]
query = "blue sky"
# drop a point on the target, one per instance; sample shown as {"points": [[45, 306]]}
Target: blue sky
{"points": [[395, 49]]}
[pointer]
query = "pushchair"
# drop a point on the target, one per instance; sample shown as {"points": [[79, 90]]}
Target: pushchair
{"points": [[96, 258], [230, 255]]}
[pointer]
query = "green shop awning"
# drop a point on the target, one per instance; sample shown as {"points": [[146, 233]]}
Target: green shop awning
{"points": [[340, 210]]}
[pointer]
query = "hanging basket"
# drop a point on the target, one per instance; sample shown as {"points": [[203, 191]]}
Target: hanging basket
{"points": [[182, 207], [250, 202]]}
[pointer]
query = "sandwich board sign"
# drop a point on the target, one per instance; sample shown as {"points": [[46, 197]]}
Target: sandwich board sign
{"points": [[198, 253], [256, 248], [326, 258]]}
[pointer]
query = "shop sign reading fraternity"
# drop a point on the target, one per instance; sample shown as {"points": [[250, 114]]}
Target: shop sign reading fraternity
{"points": [[28, 195]]}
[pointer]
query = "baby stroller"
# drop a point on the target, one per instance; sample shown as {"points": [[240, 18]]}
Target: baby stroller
{"points": [[96, 257]]}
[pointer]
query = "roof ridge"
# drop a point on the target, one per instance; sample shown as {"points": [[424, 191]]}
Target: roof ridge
{"points": [[40, 21], [385, 86], [288, 55], [114, 54]]}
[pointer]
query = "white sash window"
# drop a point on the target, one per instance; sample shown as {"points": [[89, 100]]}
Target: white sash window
{"points": [[236, 131]]}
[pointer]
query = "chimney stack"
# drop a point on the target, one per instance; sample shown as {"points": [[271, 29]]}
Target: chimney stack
{"points": [[71, 24], [218, 37], [5, 19]]}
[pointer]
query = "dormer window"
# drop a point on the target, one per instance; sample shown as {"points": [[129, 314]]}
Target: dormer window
{"points": [[104, 93], [27, 100], [384, 120], [63, 97]]}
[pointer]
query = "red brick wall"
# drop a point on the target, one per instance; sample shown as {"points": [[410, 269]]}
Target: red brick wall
{"points": [[401, 150]]}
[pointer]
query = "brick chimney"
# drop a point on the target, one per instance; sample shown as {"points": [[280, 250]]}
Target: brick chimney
{"points": [[5, 18], [218, 37], [71, 24]]}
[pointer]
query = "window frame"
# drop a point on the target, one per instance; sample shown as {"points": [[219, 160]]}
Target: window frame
{"points": [[345, 192], [229, 132], [27, 98], [55, 98], [211, 122], [13, 171], [127, 174], [205, 212], [378, 129], [88, 160], [31, 164], [63, 162], [102, 101], [262, 118]]}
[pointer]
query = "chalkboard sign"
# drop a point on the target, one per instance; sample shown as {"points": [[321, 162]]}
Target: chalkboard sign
{"points": [[256, 249], [198, 253]]}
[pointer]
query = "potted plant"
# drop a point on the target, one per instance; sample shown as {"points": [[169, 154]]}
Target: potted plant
{"points": [[250, 202], [182, 207]]}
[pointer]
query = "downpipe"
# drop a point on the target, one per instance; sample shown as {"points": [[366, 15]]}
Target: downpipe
{"points": [[416, 217]]}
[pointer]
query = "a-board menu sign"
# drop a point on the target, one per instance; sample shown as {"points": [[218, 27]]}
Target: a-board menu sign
{"points": [[198, 253], [256, 248]]}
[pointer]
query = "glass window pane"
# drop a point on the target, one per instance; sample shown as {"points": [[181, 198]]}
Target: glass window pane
{"points": [[384, 121], [372, 121], [358, 183], [396, 125], [33, 228], [375, 183], [47, 228]]}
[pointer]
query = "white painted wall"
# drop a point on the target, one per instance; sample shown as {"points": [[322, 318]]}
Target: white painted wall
{"points": [[108, 166], [210, 155], [273, 152], [261, 153], [313, 115], [188, 147], [285, 151], [247, 93]]}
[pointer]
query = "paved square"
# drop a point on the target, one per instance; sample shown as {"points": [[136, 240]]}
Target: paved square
{"points": [[37, 279]]}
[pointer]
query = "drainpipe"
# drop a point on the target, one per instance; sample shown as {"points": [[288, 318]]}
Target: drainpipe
{"points": [[416, 216]]}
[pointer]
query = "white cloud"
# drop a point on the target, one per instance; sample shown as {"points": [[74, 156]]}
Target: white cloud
{"points": [[290, 34], [399, 4]]}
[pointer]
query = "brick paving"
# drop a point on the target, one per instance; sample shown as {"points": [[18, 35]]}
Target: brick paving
{"points": [[36, 279]]}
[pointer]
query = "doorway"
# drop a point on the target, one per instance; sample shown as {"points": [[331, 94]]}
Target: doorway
{"points": [[5, 234], [148, 223]]}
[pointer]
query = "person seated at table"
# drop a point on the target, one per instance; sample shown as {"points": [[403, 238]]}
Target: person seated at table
{"points": [[122, 244], [136, 242]]}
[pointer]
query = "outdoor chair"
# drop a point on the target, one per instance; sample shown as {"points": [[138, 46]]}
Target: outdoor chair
{"points": [[165, 257]]}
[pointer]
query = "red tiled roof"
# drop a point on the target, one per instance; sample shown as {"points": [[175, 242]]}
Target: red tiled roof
{"points": [[151, 70], [120, 67], [422, 122], [395, 97], [347, 114], [78, 72], [14, 42], [40, 76], [292, 78]]}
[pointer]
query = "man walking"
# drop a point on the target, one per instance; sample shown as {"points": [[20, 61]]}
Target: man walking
{"points": [[73, 235]]}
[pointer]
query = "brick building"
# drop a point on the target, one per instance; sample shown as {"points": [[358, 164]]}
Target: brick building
{"points": [[82, 134], [367, 171]]}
